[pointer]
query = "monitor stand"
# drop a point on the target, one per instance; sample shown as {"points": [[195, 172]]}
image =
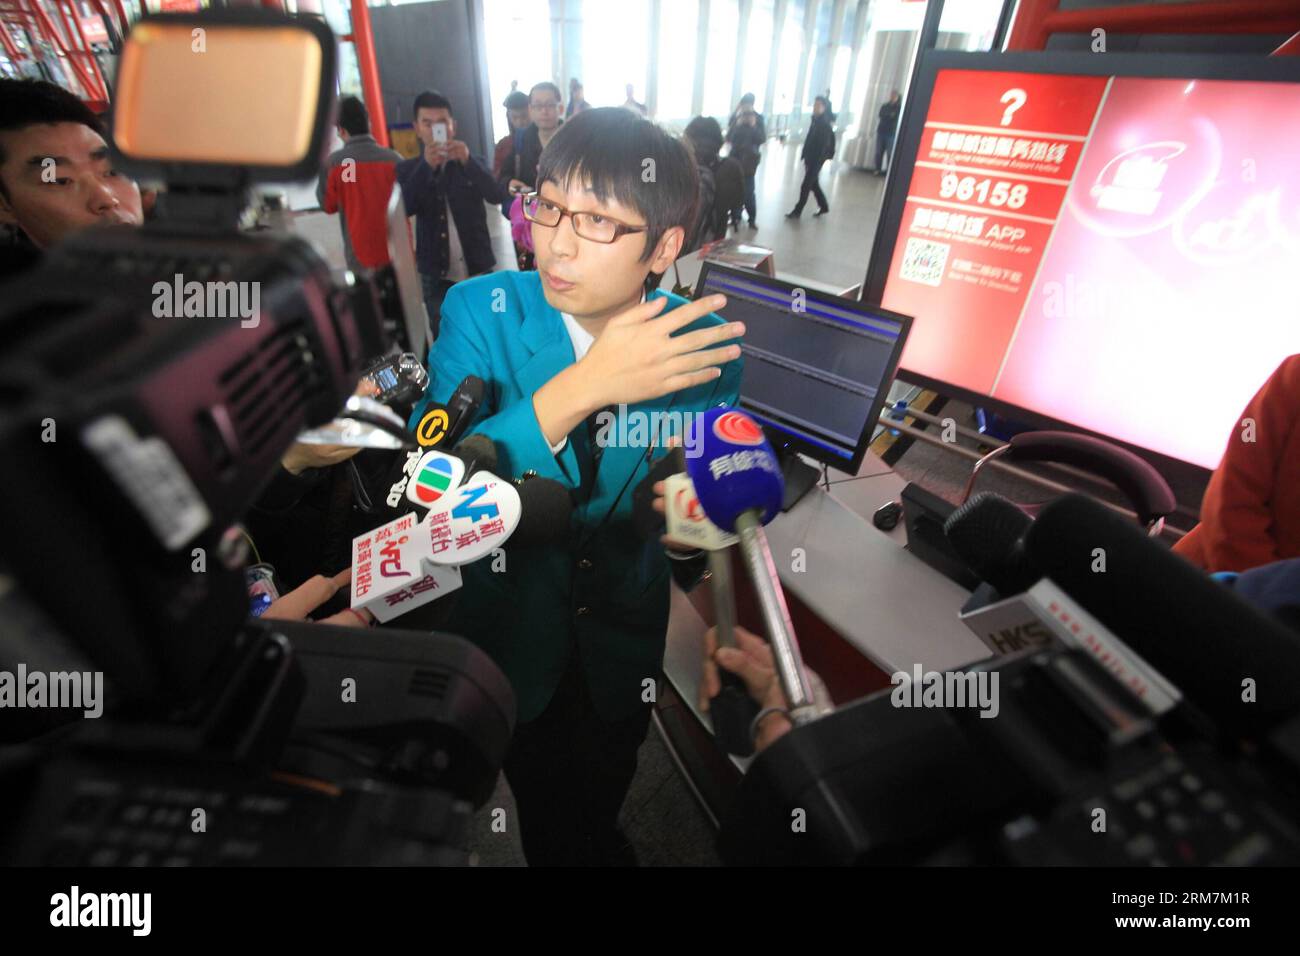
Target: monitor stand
{"points": [[799, 476]]}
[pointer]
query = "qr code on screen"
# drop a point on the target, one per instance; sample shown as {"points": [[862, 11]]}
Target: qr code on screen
{"points": [[923, 261]]}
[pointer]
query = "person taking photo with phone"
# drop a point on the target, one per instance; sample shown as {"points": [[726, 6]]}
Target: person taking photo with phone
{"points": [[445, 188]]}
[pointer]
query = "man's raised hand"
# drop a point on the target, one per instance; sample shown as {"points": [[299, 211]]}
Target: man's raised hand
{"points": [[637, 357]]}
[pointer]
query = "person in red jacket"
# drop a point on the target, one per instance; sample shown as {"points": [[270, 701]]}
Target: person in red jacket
{"points": [[1251, 512], [357, 182]]}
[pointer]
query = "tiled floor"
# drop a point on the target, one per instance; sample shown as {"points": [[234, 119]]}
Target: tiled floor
{"points": [[660, 817]]}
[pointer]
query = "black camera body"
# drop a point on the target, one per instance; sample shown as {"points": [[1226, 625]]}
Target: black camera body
{"points": [[150, 381], [1073, 771], [138, 436]]}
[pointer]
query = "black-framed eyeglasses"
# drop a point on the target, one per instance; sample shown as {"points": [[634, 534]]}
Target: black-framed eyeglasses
{"points": [[589, 225]]}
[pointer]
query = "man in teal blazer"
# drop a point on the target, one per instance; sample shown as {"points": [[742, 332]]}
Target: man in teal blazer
{"points": [[579, 627]]}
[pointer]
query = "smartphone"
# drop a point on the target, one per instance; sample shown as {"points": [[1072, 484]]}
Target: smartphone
{"points": [[440, 133]]}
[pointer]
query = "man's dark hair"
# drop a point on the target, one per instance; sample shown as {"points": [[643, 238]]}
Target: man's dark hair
{"points": [[25, 103], [546, 85], [431, 100], [353, 116], [517, 101], [705, 136], [606, 150]]}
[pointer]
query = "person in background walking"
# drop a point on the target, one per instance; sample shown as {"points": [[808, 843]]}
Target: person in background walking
{"points": [[356, 182], [817, 149], [746, 136], [886, 130], [577, 100]]}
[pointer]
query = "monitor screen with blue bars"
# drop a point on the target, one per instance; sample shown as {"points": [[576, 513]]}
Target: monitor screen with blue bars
{"points": [[817, 365]]}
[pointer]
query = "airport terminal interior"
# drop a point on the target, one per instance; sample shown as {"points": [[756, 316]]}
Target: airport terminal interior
{"points": [[988, 458]]}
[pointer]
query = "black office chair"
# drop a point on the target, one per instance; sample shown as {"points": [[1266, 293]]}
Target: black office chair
{"points": [[967, 541], [1143, 486]]}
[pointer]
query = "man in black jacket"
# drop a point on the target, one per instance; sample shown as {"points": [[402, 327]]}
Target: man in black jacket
{"points": [[886, 128], [519, 174], [746, 136], [445, 189], [817, 149]]}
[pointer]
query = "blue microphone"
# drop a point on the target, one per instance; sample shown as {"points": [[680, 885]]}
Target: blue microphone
{"points": [[736, 470], [738, 482]]}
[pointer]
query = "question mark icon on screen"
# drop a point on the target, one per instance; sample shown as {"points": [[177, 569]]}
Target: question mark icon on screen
{"points": [[1017, 99]]}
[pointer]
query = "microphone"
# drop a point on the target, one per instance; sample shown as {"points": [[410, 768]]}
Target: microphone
{"points": [[472, 520], [545, 512], [738, 481], [1200, 635], [426, 476], [443, 424], [483, 514], [731, 709], [649, 524], [988, 533], [408, 563], [478, 452], [463, 406], [392, 570], [438, 472]]}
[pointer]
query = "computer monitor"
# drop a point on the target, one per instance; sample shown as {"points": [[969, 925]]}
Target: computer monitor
{"points": [[817, 365], [1102, 242]]}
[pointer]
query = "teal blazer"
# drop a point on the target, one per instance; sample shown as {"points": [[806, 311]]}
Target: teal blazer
{"points": [[604, 592]]}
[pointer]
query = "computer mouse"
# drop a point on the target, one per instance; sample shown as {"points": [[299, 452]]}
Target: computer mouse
{"points": [[887, 515]]}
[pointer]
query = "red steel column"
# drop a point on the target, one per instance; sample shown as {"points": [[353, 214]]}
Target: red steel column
{"points": [[365, 44]]}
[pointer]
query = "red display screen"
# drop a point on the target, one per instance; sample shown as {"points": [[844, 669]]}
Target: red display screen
{"points": [[1117, 253]]}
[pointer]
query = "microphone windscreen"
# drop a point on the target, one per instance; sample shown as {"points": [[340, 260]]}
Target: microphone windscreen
{"points": [[736, 470], [649, 524], [1197, 633], [463, 406], [987, 532], [545, 511], [479, 454]]}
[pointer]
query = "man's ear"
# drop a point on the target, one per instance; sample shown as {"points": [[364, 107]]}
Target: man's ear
{"points": [[7, 214], [670, 245]]}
